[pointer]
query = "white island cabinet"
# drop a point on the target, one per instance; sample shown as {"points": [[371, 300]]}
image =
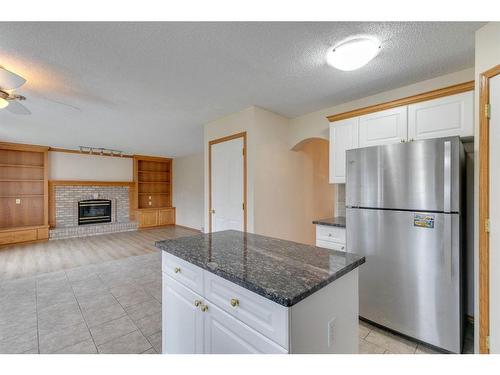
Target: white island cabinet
{"points": [[205, 313]]}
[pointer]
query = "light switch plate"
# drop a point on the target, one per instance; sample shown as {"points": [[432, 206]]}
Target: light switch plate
{"points": [[18, 201]]}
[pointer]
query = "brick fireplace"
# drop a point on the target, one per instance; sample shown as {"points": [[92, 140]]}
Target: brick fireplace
{"points": [[66, 199]]}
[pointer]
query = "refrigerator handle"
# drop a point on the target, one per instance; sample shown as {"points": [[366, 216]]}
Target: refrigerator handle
{"points": [[447, 177], [448, 248]]}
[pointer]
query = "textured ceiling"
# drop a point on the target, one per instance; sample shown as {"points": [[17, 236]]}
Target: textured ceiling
{"points": [[149, 87]]}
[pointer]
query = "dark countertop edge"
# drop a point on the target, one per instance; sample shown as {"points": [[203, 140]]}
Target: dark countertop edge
{"points": [[286, 302], [338, 221]]}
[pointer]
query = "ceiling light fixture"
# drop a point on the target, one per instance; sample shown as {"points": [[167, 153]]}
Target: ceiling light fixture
{"points": [[354, 53]]}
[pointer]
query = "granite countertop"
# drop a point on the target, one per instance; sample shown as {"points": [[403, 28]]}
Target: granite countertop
{"points": [[338, 221], [283, 271]]}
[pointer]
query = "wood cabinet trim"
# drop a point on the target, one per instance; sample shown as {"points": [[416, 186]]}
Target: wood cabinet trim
{"points": [[484, 210], [429, 95]]}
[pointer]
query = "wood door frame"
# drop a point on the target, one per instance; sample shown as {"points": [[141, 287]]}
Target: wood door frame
{"points": [[210, 144], [484, 209]]}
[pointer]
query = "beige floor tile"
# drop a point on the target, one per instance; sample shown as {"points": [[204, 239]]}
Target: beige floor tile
{"points": [[366, 347], [364, 330], [391, 342]]}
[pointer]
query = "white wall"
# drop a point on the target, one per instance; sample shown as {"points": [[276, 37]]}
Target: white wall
{"points": [[315, 124], [242, 121], [69, 166], [487, 56], [188, 190]]}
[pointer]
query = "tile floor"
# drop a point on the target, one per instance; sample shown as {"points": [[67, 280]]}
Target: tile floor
{"points": [[373, 340], [111, 307], [115, 307]]}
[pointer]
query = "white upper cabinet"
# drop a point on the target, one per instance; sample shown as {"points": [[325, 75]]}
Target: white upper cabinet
{"points": [[343, 137], [384, 127], [442, 117]]}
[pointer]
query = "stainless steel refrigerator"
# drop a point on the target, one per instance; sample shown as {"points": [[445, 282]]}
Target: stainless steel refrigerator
{"points": [[403, 209]]}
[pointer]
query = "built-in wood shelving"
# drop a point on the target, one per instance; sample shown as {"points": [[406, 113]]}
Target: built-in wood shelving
{"points": [[23, 193], [153, 178]]}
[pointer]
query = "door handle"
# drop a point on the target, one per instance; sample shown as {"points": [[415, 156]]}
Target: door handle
{"points": [[448, 247], [447, 177]]}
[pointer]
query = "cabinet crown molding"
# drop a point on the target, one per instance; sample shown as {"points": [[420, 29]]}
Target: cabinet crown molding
{"points": [[429, 95]]}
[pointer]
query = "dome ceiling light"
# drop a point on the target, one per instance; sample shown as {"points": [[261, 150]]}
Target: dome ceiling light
{"points": [[353, 53]]}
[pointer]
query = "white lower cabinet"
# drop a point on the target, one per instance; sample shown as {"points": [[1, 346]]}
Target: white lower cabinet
{"points": [[229, 319], [181, 318], [330, 237], [194, 325], [227, 335]]}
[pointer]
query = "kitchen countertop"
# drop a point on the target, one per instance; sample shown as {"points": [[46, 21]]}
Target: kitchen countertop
{"points": [[338, 221], [283, 271]]}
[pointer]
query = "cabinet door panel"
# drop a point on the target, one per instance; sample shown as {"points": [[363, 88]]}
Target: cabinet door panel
{"points": [[182, 321], [226, 335], [148, 218], [442, 117], [166, 216], [343, 137], [384, 127]]}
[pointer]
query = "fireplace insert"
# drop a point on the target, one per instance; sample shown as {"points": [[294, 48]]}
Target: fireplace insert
{"points": [[93, 211]]}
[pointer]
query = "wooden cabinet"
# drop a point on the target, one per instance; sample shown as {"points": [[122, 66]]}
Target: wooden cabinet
{"points": [[23, 193], [343, 137], [153, 180], [445, 116], [442, 117], [166, 216], [384, 127], [156, 217], [148, 218]]}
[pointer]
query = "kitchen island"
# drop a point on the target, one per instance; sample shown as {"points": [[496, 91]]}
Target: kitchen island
{"points": [[235, 292]]}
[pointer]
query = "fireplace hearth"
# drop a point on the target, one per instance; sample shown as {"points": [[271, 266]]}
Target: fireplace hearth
{"points": [[94, 211]]}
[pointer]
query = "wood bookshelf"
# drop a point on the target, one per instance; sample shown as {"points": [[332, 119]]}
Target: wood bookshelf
{"points": [[153, 187], [23, 193]]}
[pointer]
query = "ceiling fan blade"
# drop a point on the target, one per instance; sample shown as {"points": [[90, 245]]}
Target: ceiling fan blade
{"points": [[9, 80], [62, 103], [17, 108]]}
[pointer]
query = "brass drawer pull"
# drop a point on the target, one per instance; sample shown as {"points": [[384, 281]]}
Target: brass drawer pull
{"points": [[235, 302], [177, 270]]}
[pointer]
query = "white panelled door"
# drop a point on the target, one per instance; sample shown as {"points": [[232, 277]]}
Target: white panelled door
{"points": [[495, 215], [227, 171]]}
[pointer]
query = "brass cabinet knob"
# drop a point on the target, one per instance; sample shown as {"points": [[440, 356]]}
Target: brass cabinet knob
{"points": [[177, 270], [197, 303], [212, 211], [235, 302], [204, 308]]}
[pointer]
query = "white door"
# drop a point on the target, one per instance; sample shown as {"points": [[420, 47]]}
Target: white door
{"points": [[343, 137], [384, 127], [495, 215], [443, 117], [227, 168], [182, 321], [227, 335]]}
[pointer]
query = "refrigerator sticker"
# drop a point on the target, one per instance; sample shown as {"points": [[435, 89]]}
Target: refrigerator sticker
{"points": [[423, 221]]}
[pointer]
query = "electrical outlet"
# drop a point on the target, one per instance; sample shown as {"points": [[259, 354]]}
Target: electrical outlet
{"points": [[331, 332], [18, 201], [150, 203]]}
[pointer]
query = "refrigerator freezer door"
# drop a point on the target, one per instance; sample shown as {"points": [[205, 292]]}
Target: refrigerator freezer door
{"points": [[422, 175], [410, 282]]}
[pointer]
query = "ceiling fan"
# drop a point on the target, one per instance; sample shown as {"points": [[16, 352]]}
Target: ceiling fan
{"points": [[8, 99]]}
